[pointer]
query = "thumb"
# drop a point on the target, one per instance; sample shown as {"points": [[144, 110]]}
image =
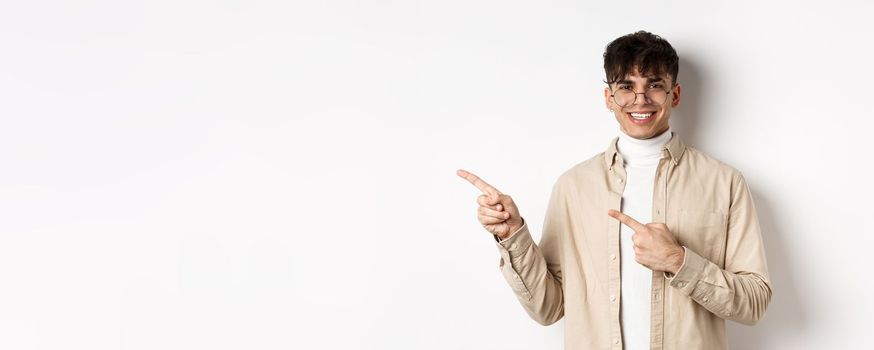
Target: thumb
{"points": [[508, 203], [494, 198]]}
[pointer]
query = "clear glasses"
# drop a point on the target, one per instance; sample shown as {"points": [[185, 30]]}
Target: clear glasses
{"points": [[655, 95]]}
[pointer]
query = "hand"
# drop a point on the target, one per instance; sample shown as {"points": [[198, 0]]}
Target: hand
{"points": [[654, 246], [497, 212]]}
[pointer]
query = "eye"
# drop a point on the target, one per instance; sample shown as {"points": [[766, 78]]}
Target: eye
{"points": [[624, 87], [657, 86]]}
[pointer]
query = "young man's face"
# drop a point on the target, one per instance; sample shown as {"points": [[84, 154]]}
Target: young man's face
{"points": [[643, 118]]}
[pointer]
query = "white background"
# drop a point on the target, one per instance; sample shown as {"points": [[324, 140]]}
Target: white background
{"points": [[281, 175]]}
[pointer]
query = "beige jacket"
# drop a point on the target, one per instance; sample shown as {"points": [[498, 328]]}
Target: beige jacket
{"points": [[574, 271]]}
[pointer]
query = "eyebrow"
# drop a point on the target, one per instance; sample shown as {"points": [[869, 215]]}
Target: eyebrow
{"points": [[648, 80]]}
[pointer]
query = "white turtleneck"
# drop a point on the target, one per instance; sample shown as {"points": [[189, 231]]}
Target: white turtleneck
{"points": [[641, 157]]}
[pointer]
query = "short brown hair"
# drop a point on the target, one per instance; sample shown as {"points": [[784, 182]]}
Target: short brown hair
{"points": [[652, 54]]}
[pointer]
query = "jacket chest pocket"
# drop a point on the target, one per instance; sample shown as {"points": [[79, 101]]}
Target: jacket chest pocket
{"points": [[703, 231]]}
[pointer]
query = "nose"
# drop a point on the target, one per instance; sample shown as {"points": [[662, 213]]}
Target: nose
{"points": [[645, 98]]}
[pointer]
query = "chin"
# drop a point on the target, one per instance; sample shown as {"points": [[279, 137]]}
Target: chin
{"points": [[639, 134], [644, 133]]}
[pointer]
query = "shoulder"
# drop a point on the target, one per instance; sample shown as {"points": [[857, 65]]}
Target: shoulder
{"points": [[704, 165]]}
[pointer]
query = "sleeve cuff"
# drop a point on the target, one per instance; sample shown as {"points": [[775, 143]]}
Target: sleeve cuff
{"points": [[690, 272], [518, 242]]}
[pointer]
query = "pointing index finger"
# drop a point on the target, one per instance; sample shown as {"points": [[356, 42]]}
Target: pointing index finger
{"points": [[627, 220], [476, 181]]}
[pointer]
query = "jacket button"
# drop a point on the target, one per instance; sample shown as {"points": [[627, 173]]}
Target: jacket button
{"points": [[612, 256]]}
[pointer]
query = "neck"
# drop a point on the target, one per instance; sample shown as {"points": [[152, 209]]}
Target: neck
{"points": [[642, 152]]}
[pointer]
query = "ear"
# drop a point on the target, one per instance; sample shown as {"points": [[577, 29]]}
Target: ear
{"points": [[607, 98], [675, 101]]}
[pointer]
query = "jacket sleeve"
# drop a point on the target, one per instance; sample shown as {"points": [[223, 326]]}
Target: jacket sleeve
{"points": [[534, 271], [742, 291]]}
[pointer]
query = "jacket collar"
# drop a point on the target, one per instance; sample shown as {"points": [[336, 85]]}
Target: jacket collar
{"points": [[675, 149]]}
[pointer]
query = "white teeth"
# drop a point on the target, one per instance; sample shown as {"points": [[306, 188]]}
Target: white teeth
{"points": [[640, 115]]}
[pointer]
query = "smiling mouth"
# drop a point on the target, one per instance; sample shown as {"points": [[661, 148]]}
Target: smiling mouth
{"points": [[641, 115], [641, 118]]}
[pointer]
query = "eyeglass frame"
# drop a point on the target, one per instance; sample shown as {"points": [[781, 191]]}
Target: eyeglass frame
{"points": [[667, 92]]}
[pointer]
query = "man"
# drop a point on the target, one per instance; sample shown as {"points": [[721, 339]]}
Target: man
{"points": [[651, 244]]}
